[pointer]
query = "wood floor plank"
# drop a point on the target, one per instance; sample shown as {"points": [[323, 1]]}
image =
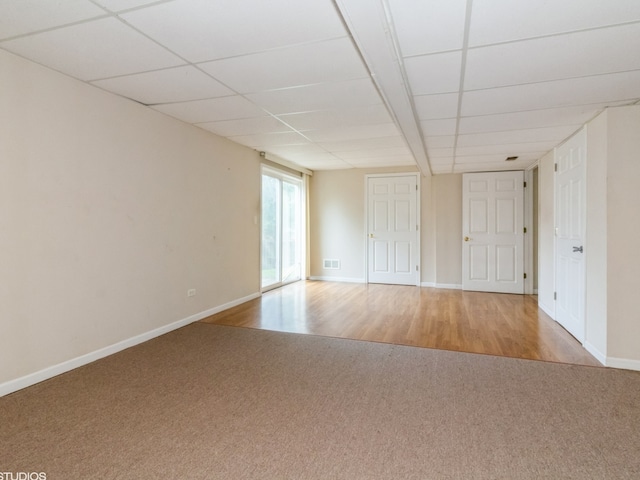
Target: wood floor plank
{"points": [[488, 323]]}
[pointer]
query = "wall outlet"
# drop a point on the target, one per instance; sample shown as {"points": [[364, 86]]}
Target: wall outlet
{"points": [[191, 292]]}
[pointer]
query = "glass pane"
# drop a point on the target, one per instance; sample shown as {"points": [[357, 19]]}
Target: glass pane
{"points": [[270, 230], [291, 232]]}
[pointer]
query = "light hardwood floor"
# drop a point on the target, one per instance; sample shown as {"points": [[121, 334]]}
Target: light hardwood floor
{"points": [[488, 323]]}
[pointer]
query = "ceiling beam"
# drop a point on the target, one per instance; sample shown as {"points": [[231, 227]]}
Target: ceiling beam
{"points": [[371, 29]]}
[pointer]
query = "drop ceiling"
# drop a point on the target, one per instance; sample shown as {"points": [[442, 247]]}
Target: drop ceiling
{"points": [[447, 86]]}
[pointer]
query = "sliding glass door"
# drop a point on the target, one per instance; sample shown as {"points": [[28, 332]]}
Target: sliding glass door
{"points": [[282, 228]]}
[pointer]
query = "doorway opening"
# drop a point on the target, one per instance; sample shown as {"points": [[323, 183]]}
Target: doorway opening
{"points": [[282, 228]]}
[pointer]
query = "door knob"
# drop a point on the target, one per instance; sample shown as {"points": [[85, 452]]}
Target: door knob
{"points": [[466, 239], [371, 235], [578, 249]]}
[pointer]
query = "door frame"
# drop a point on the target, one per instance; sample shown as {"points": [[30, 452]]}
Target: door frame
{"points": [[365, 234]]}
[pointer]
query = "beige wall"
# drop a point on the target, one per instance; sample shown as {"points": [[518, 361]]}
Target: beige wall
{"points": [[109, 212], [447, 191], [596, 237], [338, 225], [623, 232], [546, 236]]}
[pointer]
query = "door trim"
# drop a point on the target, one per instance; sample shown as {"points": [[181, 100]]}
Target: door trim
{"points": [[366, 220]]}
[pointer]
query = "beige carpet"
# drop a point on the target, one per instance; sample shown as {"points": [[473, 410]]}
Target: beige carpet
{"points": [[214, 402]]}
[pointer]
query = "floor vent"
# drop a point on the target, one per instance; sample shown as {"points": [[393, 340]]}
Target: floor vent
{"points": [[331, 264]]}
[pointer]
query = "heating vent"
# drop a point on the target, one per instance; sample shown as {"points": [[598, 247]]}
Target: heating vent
{"points": [[331, 264]]}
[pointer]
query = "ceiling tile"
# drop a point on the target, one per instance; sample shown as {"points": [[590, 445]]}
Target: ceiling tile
{"points": [[297, 151], [27, 16], [440, 152], [352, 132], [498, 159], [227, 28], [324, 96], [403, 160], [439, 127], [321, 119], [120, 5], [333, 60], [246, 126], [266, 140], [553, 58], [432, 107], [365, 143], [93, 50], [559, 93], [507, 149], [442, 141], [372, 153], [440, 161], [496, 21], [428, 27], [178, 84], [211, 110], [545, 134], [437, 73], [530, 119]]}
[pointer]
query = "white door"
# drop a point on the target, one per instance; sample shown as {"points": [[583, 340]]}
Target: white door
{"points": [[393, 250], [570, 230], [493, 232]]}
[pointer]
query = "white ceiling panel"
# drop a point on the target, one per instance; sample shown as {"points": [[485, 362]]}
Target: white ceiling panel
{"points": [[508, 149], [376, 162], [439, 127], [297, 151], [437, 73], [528, 119], [495, 21], [203, 30], [211, 110], [440, 161], [443, 141], [433, 107], [266, 140], [352, 132], [349, 94], [553, 58], [435, 153], [364, 144], [532, 135], [322, 119], [93, 50], [333, 60], [26, 16], [177, 84], [245, 126], [608, 88], [120, 5], [373, 153], [428, 27]]}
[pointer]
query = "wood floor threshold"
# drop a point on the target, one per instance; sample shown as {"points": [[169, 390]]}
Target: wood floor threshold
{"points": [[474, 322]]}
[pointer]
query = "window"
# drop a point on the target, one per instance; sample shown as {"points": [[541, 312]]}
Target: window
{"points": [[282, 228]]}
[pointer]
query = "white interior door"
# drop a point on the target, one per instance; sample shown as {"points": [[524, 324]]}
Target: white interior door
{"points": [[393, 250], [570, 231], [493, 232]]}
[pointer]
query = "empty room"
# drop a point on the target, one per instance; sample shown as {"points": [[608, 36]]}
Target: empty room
{"points": [[350, 239]]}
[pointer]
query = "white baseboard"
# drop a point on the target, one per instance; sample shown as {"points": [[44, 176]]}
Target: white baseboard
{"points": [[595, 352], [547, 310], [50, 372], [452, 286], [337, 279], [624, 363], [428, 284]]}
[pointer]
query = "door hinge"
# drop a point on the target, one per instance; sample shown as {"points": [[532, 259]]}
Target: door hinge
{"points": [[525, 275], [417, 227], [417, 268], [525, 229], [525, 184], [555, 167], [416, 186], [555, 295]]}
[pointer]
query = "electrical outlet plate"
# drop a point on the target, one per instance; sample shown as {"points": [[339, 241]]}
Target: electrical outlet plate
{"points": [[191, 292]]}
